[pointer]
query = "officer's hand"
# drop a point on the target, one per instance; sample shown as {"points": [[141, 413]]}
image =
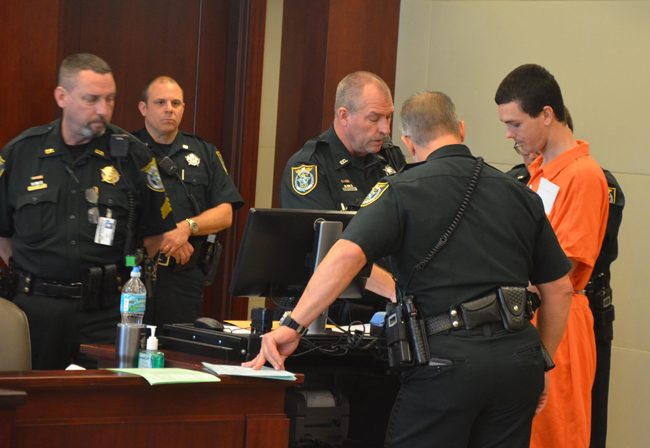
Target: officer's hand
{"points": [[543, 398], [183, 254], [276, 346], [174, 239]]}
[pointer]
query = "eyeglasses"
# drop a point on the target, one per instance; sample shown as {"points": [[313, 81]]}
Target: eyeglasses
{"points": [[92, 196]]}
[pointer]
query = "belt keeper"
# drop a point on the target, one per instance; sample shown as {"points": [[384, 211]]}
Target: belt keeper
{"points": [[453, 315], [27, 286]]}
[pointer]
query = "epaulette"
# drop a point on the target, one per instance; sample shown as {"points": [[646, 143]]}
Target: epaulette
{"points": [[310, 146], [199, 138], [32, 132], [408, 166]]}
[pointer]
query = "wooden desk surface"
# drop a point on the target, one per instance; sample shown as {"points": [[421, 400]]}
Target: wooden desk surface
{"points": [[101, 408]]}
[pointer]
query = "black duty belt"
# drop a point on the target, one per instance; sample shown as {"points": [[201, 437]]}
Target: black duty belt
{"points": [[36, 286], [467, 315]]}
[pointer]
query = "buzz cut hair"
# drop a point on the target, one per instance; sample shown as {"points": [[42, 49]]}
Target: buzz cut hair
{"points": [[350, 89], [162, 78], [428, 115], [73, 64]]}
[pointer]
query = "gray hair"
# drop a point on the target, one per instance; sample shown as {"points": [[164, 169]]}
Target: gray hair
{"points": [[428, 115], [350, 89]]}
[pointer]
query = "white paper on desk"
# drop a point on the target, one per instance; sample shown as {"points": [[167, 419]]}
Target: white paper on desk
{"points": [[264, 372], [548, 191]]}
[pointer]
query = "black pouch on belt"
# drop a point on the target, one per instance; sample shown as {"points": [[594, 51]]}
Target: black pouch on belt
{"points": [[109, 285], [92, 289], [480, 311], [512, 303]]}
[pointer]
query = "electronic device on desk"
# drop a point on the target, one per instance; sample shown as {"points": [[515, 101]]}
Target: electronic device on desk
{"points": [[203, 340], [280, 250]]}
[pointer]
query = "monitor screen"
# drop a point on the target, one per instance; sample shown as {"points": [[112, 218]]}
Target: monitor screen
{"points": [[280, 248]]}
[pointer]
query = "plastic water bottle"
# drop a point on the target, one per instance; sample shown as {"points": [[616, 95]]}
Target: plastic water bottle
{"points": [[133, 299]]}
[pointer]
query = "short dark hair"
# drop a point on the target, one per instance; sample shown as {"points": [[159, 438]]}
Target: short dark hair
{"points": [[533, 87], [73, 64], [428, 115], [162, 78], [567, 118]]}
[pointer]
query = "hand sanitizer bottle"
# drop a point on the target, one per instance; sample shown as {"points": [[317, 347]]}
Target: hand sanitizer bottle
{"points": [[151, 357]]}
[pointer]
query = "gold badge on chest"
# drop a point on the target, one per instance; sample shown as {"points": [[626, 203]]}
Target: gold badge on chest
{"points": [[110, 175], [192, 159]]}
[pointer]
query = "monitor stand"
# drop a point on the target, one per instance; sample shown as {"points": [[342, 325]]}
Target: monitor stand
{"points": [[327, 233]]}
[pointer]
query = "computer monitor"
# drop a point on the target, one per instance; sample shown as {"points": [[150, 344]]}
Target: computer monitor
{"points": [[281, 248]]}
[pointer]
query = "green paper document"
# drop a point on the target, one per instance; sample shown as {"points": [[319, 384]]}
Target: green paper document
{"points": [[264, 372], [171, 375]]}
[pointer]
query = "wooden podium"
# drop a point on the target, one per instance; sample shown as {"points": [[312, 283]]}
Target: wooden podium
{"points": [[101, 408]]}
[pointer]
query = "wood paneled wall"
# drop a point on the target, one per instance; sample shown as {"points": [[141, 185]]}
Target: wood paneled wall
{"points": [[211, 47], [322, 41], [214, 48]]}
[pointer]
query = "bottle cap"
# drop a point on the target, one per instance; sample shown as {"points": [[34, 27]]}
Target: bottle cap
{"points": [[135, 272], [152, 341]]}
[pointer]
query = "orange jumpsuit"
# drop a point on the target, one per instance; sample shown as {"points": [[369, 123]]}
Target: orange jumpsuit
{"points": [[579, 217]]}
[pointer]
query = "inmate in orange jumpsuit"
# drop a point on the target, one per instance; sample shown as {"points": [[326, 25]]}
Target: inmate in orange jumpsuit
{"points": [[578, 213]]}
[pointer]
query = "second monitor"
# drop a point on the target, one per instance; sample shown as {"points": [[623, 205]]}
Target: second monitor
{"points": [[281, 248]]}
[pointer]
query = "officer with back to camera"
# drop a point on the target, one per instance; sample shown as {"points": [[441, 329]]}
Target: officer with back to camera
{"points": [[482, 385], [203, 197], [76, 196]]}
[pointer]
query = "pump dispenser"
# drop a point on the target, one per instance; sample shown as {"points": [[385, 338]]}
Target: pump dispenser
{"points": [[151, 357]]}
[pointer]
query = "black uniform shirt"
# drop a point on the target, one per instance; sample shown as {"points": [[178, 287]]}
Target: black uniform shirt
{"points": [[44, 209], [520, 172], [504, 237], [323, 175], [201, 168]]}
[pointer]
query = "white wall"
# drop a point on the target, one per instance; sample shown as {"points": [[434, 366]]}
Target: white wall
{"points": [[268, 114], [599, 53]]}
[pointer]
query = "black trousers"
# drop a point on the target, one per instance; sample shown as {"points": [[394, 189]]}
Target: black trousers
{"points": [[600, 394], [480, 390], [178, 296], [58, 325]]}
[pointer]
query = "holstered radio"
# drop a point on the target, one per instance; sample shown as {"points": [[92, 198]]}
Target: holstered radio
{"points": [[405, 335]]}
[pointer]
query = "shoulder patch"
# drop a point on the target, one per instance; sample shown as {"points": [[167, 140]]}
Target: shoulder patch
{"points": [[612, 193], [375, 193], [304, 178], [2, 166], [223, 164], [154, 182]]}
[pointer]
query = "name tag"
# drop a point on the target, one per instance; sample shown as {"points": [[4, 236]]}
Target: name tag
{"points": [[548, 191], [105, 231]]}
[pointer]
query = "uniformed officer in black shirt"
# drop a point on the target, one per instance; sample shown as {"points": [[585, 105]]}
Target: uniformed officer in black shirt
{"points": [[336, 170], [76, 196], [203, 197], [599, 293], [483, 385]]}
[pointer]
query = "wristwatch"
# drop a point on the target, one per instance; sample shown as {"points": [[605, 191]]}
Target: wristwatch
{"points": [[194, 227], [287, 321]]}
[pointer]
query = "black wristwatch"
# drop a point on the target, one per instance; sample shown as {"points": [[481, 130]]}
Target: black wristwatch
{"points": [[287, 321]]}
